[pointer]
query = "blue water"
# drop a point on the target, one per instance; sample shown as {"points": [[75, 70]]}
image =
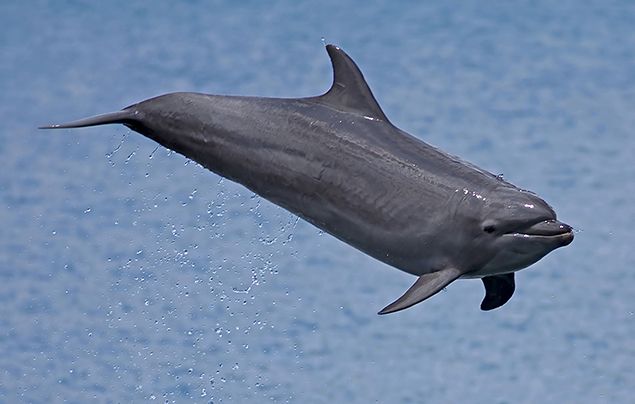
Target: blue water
{"points": [[128, 273]]}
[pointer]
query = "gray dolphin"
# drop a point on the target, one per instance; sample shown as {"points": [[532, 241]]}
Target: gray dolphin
{"points": [[336, 161]]}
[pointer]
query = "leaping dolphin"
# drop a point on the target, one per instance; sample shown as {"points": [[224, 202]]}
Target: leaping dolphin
{"points": [[336, 161]]}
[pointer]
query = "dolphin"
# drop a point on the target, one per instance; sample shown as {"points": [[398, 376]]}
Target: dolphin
{"points": [[336, 161]]}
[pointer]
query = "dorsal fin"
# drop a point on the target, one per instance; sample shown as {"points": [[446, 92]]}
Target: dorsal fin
{"points": [[349, 91]]}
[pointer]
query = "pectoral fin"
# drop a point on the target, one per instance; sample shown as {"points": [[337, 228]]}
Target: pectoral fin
{"points": [[498, 290], [426, 286]]}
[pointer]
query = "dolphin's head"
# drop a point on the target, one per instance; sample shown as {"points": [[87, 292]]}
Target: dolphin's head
{"points": [[517, 228]]}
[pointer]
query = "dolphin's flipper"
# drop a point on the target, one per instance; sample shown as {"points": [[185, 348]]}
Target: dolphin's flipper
{"points": [[498, 290], [426, 286], [349, 91]]}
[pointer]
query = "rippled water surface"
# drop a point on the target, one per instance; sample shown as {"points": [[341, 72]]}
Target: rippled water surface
{"points": [[128, 273]]}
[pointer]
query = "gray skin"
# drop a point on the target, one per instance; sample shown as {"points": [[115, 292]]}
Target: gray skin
{"points": [[336, 161]]}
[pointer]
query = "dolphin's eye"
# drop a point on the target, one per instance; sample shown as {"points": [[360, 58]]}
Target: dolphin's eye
{"points": [[490, 228]]}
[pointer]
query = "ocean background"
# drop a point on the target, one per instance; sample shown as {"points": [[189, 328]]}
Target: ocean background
{"points": [[130, 274]]}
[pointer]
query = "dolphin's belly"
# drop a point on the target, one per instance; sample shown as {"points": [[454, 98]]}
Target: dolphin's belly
{"points": [[372, 208]]}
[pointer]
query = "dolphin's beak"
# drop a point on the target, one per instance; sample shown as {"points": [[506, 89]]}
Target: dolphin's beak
{"points": [[550, 228]]}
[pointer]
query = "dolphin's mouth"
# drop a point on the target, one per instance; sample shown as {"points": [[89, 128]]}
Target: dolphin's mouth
{"points": [[547, 229]]}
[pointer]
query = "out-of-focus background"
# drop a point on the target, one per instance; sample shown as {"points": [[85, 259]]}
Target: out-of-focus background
{"points": [[128, 273]]}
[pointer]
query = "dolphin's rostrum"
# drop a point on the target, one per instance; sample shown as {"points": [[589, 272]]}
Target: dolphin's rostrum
{"points": [[336, 161]]}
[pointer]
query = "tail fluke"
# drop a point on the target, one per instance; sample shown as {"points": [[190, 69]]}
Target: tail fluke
{"points": [[125, 116]]}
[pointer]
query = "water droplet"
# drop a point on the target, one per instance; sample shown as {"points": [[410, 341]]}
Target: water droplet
{"points": [[109, 155], [153, 151]]}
